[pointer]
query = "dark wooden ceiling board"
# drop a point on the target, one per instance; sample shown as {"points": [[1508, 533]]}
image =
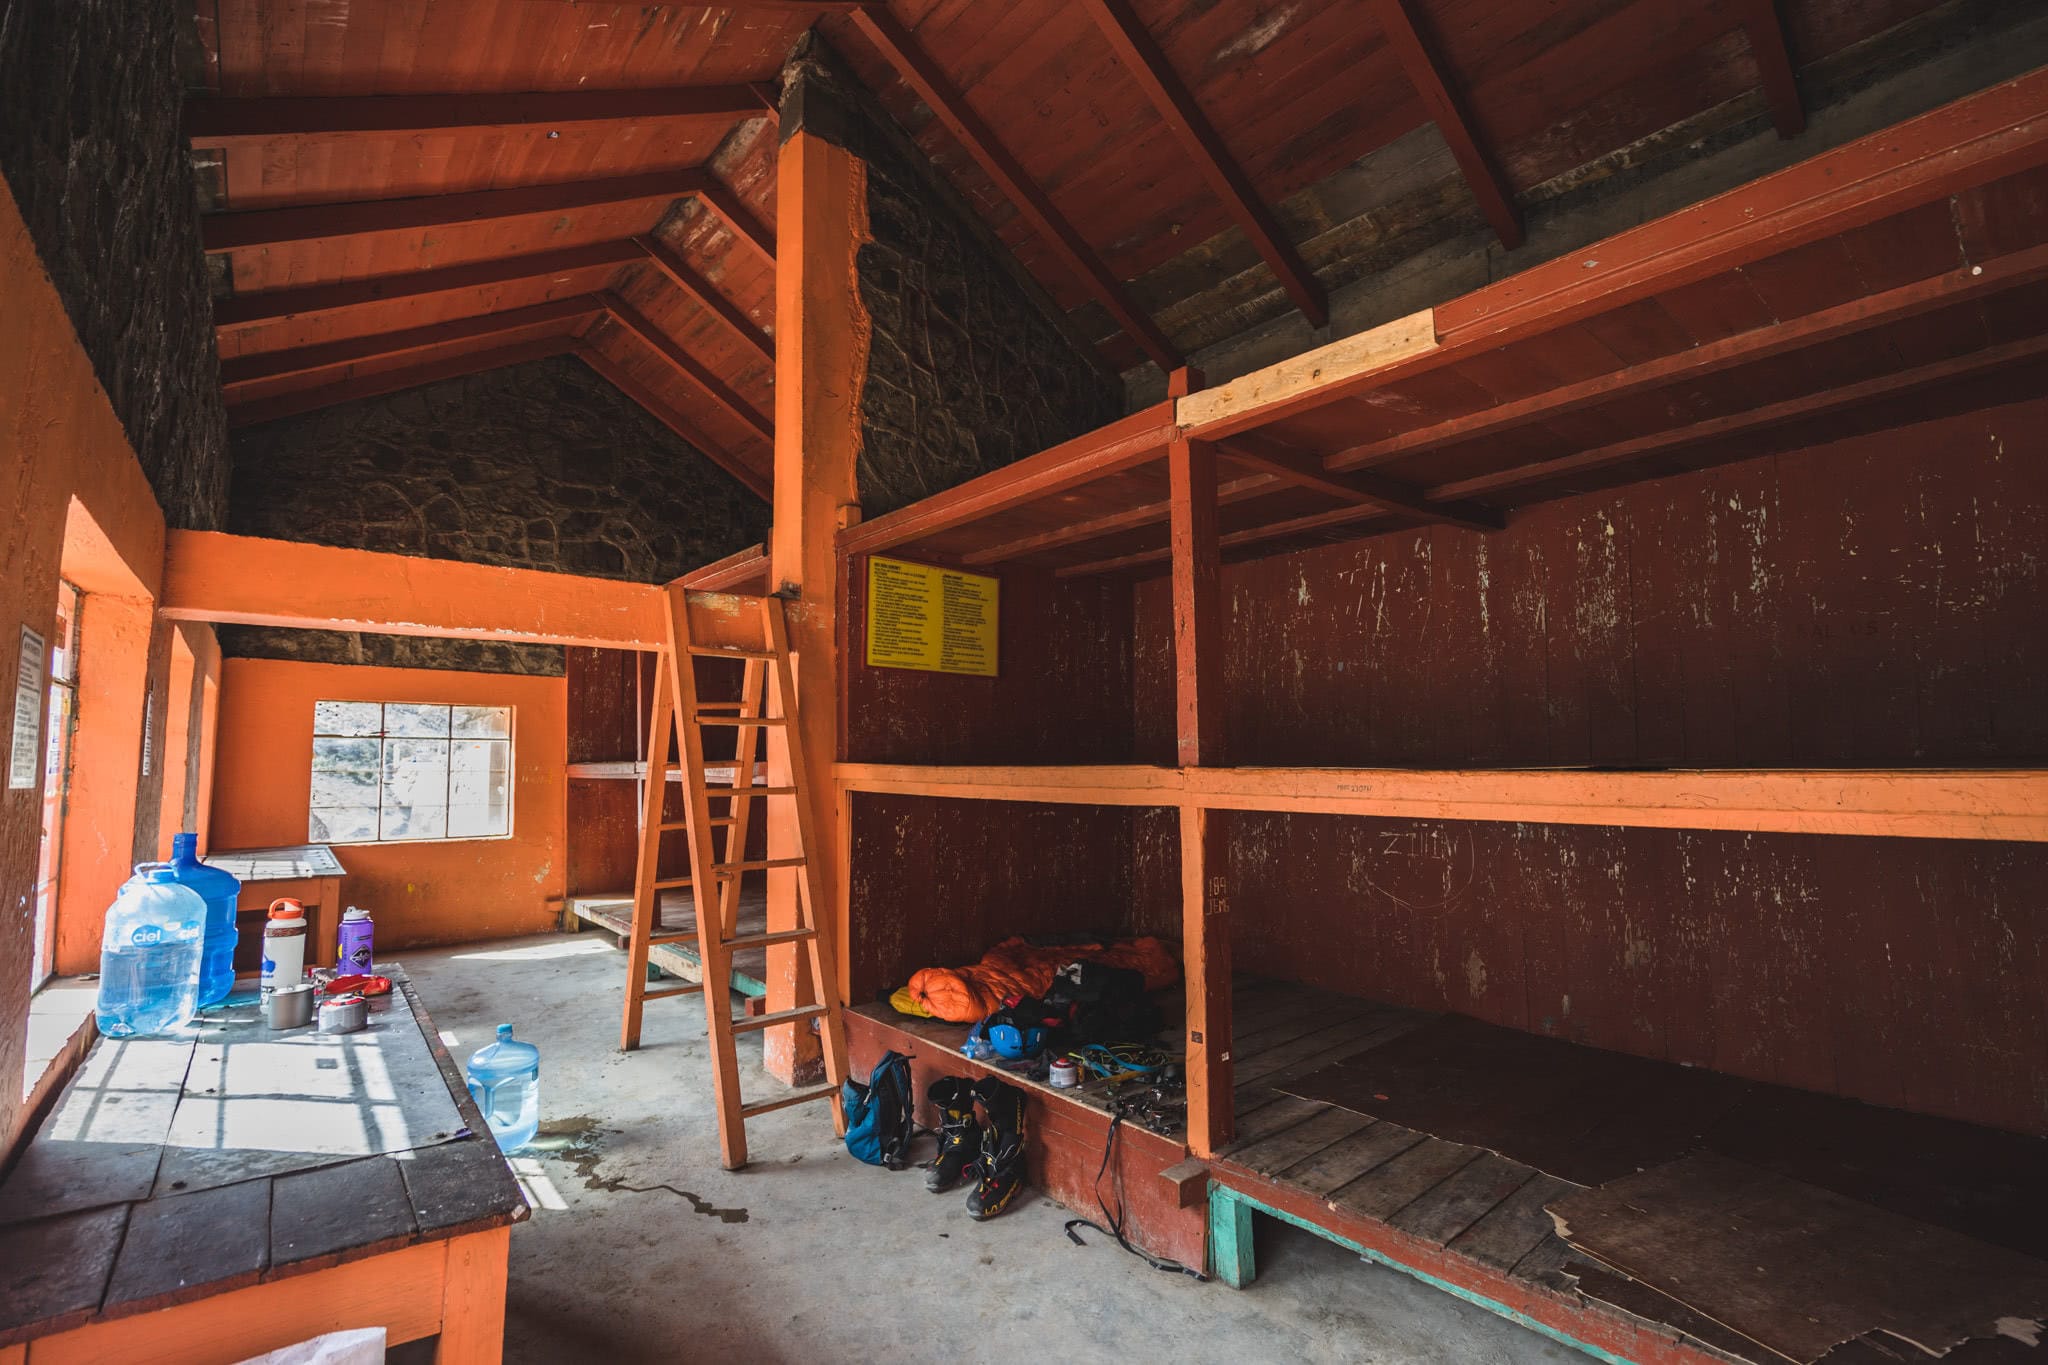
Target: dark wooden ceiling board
{"points": [[2004, 215], [1639, 331], [1717, 307], [637, 360]]}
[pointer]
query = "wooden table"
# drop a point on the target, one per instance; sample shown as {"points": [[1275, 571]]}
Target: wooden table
{"points": [[98, 1262], [308, 873]]}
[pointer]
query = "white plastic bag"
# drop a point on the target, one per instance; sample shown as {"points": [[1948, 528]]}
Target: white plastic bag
{"points": [[356, 1346]]}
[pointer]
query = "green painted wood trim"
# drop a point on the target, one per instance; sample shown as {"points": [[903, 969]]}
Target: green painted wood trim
{"points": [[1230, 1237], [1234, 1207]]}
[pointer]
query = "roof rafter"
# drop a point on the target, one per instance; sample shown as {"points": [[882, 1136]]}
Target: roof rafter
{"points": [[215, 122], [1426, 72], [615, 374], [1774, 62], [427, 371], [688, 366], [240, 311], [1147, 65], [950, 107], [242, 371], [684, 277]]}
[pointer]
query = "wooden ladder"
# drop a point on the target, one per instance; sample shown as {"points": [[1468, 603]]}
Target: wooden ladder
{"points": [[721, 632]]}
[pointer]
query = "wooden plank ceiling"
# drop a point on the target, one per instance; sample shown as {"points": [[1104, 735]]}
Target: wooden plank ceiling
{"points": [[382, 214]]}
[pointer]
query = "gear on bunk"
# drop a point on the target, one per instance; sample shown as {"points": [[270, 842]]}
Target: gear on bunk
{"points": [[999, 1169], [959, 1136]]}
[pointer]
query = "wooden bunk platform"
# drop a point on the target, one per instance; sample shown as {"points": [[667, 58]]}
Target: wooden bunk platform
{"points": [[614, 914], [1462, 1201]]}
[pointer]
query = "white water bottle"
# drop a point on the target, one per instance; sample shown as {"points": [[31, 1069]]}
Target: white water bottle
{"points": [[284, 945]]}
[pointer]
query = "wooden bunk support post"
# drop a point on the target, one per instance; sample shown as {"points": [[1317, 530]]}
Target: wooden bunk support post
{"points": [[1198, 712], [820, 360]]}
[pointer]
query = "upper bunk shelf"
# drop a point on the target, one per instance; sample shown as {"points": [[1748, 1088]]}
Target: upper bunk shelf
{"points": [[1899, 277], [1932, 803]]}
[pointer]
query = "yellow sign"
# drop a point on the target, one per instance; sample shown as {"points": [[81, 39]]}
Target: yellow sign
{"points": [[939, 620]]}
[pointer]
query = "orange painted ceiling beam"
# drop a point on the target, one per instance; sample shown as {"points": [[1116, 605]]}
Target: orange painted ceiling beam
{"points": [[427, 370], [240, 371], [616, 374], [634, 322], [246, 580], [213, 122], [931, 85], [1148, 66], [679, 273]]}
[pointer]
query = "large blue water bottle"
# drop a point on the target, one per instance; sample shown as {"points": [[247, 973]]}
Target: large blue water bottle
{"points": [[149, 955], [220, 891], [504, 1080]]}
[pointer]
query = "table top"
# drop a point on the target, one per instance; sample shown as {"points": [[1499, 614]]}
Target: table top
{"points": [[113, 1210], [294, 863]]}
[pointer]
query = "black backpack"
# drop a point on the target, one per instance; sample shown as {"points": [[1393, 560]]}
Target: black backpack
{"points": [[879, 1119]]}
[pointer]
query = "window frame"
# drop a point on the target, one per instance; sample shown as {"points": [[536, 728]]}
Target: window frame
{"points": [[384, 736]]}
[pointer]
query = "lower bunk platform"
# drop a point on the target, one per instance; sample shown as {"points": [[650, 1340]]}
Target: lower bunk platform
{"points": [[1704, 1218]]}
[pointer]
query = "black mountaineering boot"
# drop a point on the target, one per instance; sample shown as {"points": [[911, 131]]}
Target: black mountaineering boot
{"points": [[999, 1173], [959, 1138]]}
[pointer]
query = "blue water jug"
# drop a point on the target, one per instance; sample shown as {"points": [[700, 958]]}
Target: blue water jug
{"points": [[149, 955], [504, 1080], [220, 891]]}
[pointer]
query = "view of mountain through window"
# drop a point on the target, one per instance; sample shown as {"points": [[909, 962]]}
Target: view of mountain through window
{"points": [[386, 771]]}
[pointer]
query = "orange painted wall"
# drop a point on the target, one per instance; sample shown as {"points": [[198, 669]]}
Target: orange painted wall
{"points": [[72, 497], [429, 891]]}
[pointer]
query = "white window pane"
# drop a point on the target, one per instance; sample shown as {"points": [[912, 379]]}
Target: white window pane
{"points": [[483, 722], [347, 718], [474, 788], [344, 789], [415, 822], [342, 825], [410, 718], [481, 756], [345, 755], [480, 820]]}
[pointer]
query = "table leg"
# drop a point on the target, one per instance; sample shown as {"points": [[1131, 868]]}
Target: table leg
{"points": [[1230, 1238], [473, 1299]]}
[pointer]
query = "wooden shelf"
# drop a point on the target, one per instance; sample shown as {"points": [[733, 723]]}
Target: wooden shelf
{"points": [[634, 770], [1931, 803]]}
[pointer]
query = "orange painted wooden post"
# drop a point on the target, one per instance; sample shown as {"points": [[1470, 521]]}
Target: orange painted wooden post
{"points": [[820, 357], [473, 1299], [1198, 711]]}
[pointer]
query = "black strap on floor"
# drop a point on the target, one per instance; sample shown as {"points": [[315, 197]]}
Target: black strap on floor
{"points": [[1116, 1217]]}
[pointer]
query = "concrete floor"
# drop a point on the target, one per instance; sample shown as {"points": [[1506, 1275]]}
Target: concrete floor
{"points": [[642, 1248]]}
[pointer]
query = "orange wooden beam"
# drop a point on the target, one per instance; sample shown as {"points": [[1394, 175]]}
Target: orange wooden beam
{"points": [[1308, 471], [246, 580], [1426, 72], [1197, 604], [679, 273], [950, 107], [744, 571], [749, 229], [217, 122], [1774, 66], [637, 324], [662, 412], [241, 311], [1148, 66], [425, 371], [241, 371], [323, 222]]}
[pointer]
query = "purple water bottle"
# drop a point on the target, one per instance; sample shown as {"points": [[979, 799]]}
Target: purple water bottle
{"points": [[354, 958]]}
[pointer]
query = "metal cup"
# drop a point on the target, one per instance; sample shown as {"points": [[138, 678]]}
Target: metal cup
{"points": [[289, 1007]]}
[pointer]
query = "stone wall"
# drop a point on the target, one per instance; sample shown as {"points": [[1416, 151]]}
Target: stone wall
{"points": [[970, 366], [90, 102], [537, 466]]}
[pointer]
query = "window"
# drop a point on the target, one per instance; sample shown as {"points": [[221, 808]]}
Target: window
{"points": [[63, 713], [385, 771]]}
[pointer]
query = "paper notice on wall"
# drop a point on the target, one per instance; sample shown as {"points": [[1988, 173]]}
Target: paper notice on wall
{"points": [[937, 620], [25, 747]]}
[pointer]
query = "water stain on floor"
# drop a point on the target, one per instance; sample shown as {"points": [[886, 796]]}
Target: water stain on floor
{"points": [[579, 1140]]}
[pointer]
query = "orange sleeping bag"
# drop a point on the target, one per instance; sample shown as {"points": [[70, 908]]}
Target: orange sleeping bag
{"points": [[963, 995]]}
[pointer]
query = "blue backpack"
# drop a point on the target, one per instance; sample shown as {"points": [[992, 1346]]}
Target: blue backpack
{"points": [[879, 1118]]}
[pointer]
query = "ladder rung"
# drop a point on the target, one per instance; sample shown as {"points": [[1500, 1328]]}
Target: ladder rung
{"points": [[714, 652], [716, 791], [703, 719], [803, 1096], [671, 883], [682, 936], [754, 1023], [667, 991], [767, 940], [673, 826], [754, 865], [721, 706]]}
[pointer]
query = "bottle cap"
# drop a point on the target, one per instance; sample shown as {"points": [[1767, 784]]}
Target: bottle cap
{"points": [[355, 913], [286, 908]]}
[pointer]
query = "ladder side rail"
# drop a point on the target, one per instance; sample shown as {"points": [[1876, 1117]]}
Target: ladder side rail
{"points": [[823, 962], [753, 686], [647, 860]]}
